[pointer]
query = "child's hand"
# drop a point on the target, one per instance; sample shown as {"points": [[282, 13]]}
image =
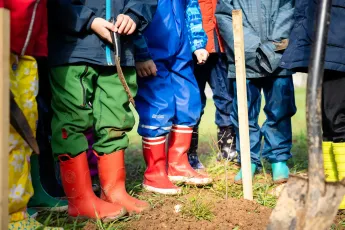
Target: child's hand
{"points": [[125, 25], [102, 27], [146, 68], [201, 55]]}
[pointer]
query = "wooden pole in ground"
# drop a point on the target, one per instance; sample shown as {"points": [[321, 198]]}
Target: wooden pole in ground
{"points": [[4, 114], [241, 85]]}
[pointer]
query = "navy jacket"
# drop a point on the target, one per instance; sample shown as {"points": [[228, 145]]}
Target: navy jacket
{"points": [[297, 54], [71, 39], [264, 22]]}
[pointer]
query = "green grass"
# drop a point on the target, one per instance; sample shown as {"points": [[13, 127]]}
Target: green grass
{"points": [[195, 206]]}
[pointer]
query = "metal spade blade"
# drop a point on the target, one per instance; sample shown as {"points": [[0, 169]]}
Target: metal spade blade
{"points": [[21, 125]]}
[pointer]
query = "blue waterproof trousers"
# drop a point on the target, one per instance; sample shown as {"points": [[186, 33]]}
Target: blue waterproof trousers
{"points": [[215, 73], [171, 97], [279, 108]]}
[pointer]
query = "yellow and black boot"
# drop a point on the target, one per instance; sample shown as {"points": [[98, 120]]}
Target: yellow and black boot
{"points": [[330, 167], [339, 155]]}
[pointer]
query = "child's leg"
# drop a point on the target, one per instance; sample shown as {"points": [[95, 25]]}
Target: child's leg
{"points": [[24, 85], [185, 88], [72, 89], [333, 104], [112, 114], [156, 107], [277, 132], [48, 167], [23, 77], [187, 115], [113, 118], [42, 166], [254, 106], [279, 108], [155, 103], [333, 125], [202, 75], [222, 97]]}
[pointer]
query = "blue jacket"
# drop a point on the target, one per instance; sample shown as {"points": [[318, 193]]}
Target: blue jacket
{"points": [[298, 52], [173, 20], [264, 22], [71, 39]]}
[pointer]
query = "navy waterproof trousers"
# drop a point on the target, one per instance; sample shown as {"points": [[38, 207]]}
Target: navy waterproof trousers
{"points": [[279, 108]]}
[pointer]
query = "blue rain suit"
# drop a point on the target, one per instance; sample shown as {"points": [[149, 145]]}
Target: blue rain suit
{"points": [[172, 97], [265, 22]]}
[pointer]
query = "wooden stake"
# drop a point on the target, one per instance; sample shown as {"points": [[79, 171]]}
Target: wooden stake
{"points": [[240, 63], [4, 114]]}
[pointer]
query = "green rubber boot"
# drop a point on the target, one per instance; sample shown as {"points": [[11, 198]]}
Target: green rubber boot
{"points": [[238, 177], [280, 172], [41, 200]]}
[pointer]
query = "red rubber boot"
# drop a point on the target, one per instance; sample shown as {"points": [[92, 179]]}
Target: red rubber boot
{"points": [[112, 177], [82, 201], [179, 169], [156, 177]]}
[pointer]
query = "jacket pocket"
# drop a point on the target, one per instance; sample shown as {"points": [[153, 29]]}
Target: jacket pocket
{"points": [[81, 80]]}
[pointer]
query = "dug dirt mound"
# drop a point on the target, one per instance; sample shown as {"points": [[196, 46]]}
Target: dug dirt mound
{"points": [[222, 214]]}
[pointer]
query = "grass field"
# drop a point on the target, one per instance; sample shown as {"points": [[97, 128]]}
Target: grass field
{"points": [[264, 189]]}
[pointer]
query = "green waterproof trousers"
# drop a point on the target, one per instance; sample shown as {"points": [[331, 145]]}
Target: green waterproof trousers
{"points": [[85, 96]]}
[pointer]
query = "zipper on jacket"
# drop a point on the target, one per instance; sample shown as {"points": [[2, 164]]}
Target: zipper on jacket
{"points": [[107, 17], [28, 36], [82, 85]]}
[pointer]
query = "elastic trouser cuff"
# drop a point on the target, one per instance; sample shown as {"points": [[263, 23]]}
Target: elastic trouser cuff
{"points": [[275, 158], [72, 148], [153, 131]]}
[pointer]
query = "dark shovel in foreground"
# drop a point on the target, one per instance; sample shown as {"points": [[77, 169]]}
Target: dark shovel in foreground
{"points": [[21, 125], [311, 203]]}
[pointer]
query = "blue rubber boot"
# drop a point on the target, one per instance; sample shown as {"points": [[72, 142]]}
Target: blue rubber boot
{"points": [[280, 172], [238, 177]]}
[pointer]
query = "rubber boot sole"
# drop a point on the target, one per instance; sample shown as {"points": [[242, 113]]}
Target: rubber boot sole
{"points": [[104, 220], [239, 182], [190, 180], [164, 191], [281, 181]]}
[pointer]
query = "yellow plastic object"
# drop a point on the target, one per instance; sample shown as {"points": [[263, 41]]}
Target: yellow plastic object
{"points": [[330, 166], [339, 153]]}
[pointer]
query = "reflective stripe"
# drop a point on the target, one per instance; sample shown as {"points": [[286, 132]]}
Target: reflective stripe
{"points": [[154, 143], [181, 131], [154, 127], [153, 138], [182, 126]]}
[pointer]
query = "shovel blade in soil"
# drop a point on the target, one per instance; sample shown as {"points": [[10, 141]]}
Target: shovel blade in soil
{"points": [[294, 211]]}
